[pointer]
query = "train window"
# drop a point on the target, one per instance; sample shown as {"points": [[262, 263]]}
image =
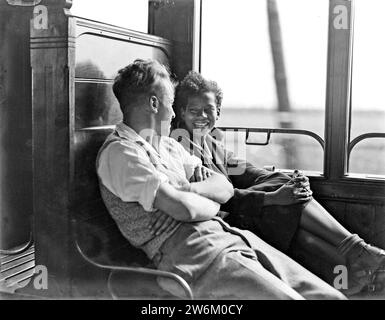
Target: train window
{"points": [[367, 146], [271, 62], [252, 146], [368, 157], [133, 16], [92, 64], [95, 103]]}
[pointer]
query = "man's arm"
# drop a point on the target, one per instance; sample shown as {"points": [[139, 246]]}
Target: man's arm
{"points": [[183, 205], [216, 187]]}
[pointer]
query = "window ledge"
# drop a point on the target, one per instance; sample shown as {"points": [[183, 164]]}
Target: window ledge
{"points": [[360, 188], [308, 173], [365, 176]]}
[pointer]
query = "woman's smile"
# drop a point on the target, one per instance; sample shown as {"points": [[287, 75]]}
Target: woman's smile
{"points": [[200, 112], [201, 124]]}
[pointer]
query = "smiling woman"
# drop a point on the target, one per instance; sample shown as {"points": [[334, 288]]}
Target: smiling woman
{"points": [[199, 104], [200, 113], [276, 207]]}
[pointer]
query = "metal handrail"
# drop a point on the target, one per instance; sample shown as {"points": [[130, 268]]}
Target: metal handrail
{"points": [[141, 270], [26, 246], [362, 137], [269, 131]]}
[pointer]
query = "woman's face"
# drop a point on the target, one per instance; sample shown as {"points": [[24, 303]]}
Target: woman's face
{"points": [[200, 113]]}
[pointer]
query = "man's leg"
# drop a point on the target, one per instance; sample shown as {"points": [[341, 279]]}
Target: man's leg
{"points": [[290, 272], [239, 275], [234, 274]]}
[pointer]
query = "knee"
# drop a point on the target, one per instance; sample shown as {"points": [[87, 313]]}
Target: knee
{"points": [[331, 293], [337, 295]]}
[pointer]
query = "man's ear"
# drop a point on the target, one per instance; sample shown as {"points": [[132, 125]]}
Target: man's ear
{"points": [[154, 104], [182, 113]]}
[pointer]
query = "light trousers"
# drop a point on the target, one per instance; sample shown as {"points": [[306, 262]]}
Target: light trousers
{"points": [[223, 262]]}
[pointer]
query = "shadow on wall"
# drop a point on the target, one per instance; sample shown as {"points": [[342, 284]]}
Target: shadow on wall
{"points": [[95, 103]]}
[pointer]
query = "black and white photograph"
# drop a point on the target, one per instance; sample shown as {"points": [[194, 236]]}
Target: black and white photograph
{"points": [[193, 156]]}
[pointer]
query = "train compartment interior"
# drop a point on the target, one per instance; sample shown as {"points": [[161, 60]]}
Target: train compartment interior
{"points": [[57, 107]]}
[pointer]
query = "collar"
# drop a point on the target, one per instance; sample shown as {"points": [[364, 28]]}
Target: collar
{"points": [[127, 132], [130, 134], [185, 138]]}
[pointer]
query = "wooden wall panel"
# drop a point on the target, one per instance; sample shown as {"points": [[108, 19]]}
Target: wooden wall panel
{"points": [[378, 231], [180, 23], [365, 219], [336, 208], [53, 74], [360, 218], [15, 127]]}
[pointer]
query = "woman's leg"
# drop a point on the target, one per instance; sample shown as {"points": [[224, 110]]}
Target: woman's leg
{"points": [[363, 260], [319, 222]]}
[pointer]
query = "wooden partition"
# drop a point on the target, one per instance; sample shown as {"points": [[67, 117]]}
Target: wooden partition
{"points": [[74, 62], [179, 21], [15, 126]]}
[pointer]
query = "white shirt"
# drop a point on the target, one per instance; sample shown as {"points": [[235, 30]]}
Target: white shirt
{"points": [[126, 169]]}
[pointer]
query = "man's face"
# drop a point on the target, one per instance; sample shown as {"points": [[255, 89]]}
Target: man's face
{"points": [[200, 114], [165, 113]]}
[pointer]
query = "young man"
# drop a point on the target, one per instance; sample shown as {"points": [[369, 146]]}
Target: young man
{"points": [[145, 174]]}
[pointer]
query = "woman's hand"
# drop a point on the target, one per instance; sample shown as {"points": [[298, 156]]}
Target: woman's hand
{"points": [[161, 222], [201, 173], [287, 194], [300, 180]]}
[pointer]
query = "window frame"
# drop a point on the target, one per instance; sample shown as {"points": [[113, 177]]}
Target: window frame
{"points": [[338, 93], [335, 182], [352, 143], [339, 103]]}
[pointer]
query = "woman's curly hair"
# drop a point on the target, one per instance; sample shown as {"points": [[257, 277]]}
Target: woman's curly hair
{"points": [[192, 85]]}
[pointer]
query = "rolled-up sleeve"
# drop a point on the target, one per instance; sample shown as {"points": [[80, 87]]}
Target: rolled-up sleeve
{"points": [[126, 170]]}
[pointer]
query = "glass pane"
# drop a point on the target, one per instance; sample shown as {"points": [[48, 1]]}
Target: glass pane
{"points": [[95, 105], [132, 14], [368, 105], [101, 58], [240, 59], [309, 155], [368, 157]]}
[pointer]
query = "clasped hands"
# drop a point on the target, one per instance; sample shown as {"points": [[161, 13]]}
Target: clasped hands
{"points": [[296, 190]]}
